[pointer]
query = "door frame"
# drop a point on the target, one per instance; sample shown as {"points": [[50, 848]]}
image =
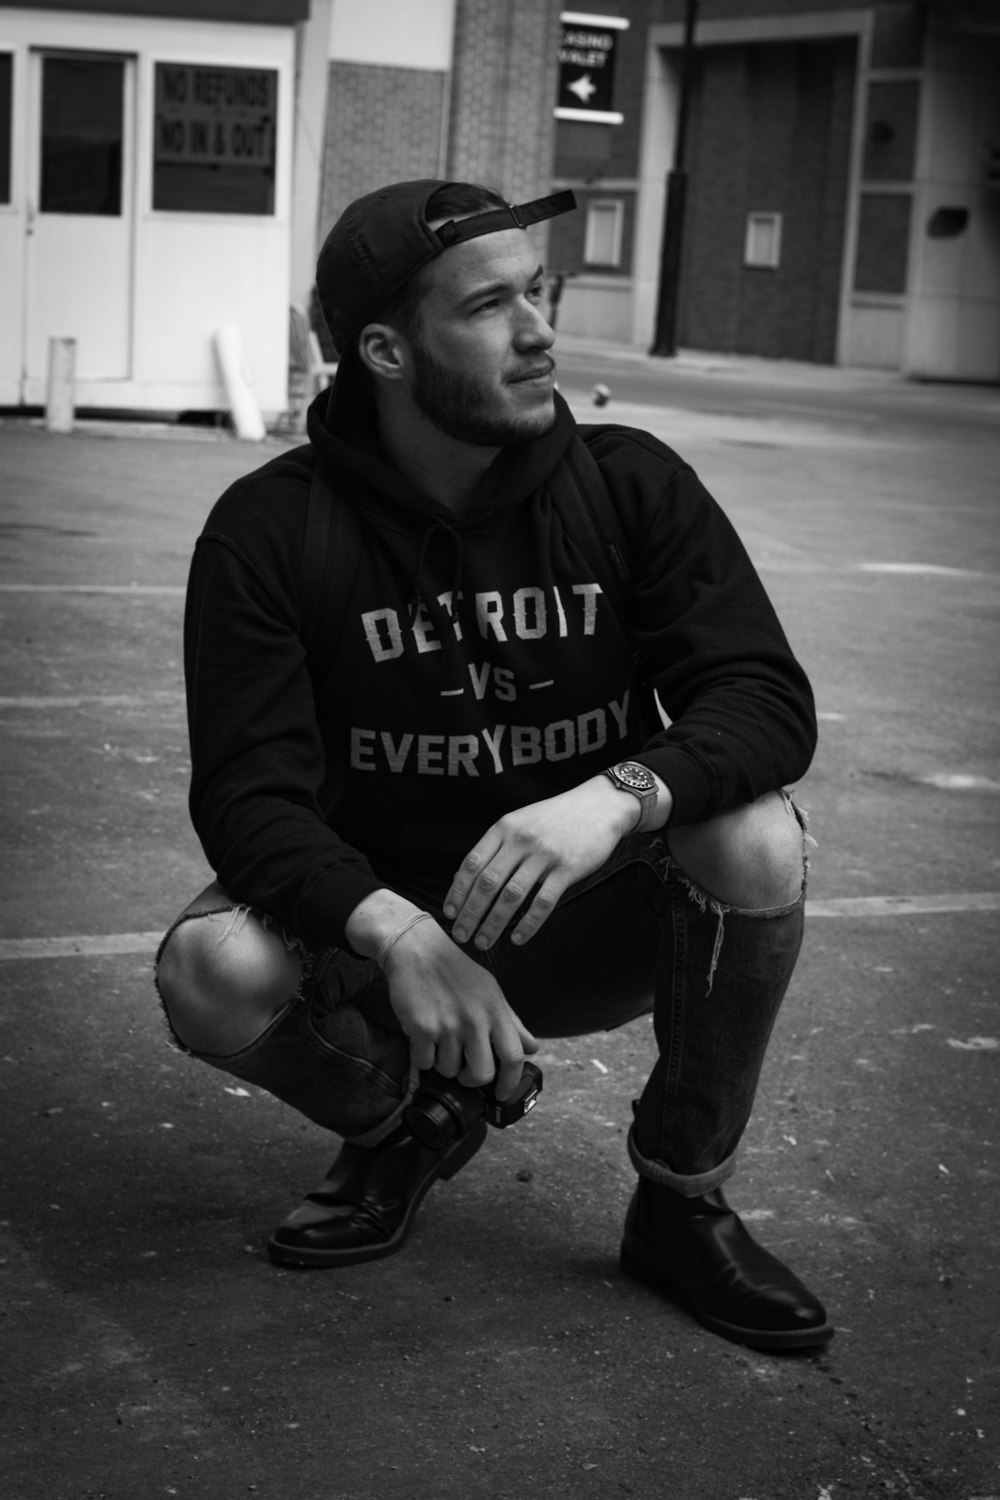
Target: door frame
{"points": [[33, 386]]}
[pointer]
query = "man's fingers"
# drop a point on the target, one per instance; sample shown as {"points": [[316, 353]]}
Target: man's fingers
{"points": [[500, 1061], [508, 1077], [546, 900], [422, 1052], [529, 1044], [448, 1058], [487, 888], [510, 1057], [480, 1063], [469, 872], [511, 900], [495, 901]]}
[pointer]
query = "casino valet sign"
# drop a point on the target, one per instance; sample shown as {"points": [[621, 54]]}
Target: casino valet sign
{"points": [[587, 46]]}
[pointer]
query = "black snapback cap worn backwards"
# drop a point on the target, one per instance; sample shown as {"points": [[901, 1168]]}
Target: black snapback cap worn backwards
{"points": [[383, 239]]}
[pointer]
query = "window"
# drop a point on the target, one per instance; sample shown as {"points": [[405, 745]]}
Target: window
{"points": [[6, 71], [82, 136], [891, 135], [214, 139], [763, 241], [603, 240]]}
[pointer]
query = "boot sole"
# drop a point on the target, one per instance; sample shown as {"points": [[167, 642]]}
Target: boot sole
{"points": [[650, 1274], [451, 1163]]}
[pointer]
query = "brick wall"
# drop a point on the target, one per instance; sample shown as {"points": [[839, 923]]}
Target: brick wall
{"points": [[382, 125], [770, 132], [389, 124], [502, 128]]}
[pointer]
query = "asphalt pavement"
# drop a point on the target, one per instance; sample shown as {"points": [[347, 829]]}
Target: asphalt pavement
{"points": [[150, 1349]]}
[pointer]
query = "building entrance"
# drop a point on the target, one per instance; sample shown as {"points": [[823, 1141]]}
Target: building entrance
{"points": [[78, 260], [769, 170]]}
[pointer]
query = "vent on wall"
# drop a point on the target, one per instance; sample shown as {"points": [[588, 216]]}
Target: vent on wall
{"points": [[762, 246]]}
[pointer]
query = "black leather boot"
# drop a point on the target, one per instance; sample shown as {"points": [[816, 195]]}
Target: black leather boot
{"points": [[364, 1207], [698, 1252]]}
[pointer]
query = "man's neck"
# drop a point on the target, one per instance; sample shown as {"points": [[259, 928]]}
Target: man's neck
{"points": [[441, 467]]}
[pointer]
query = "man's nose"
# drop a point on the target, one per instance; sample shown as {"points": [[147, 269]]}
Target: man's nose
{"points": [[533, 329]]}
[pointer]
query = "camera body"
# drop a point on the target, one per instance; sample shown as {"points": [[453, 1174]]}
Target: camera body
{"points": [[442, 1109]]}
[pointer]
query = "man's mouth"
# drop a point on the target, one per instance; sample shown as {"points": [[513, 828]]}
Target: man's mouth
{"points": [[534, 372]]}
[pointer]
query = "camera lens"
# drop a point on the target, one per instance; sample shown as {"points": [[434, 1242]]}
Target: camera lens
{"points": [[431, 1121], [442, 1110]]}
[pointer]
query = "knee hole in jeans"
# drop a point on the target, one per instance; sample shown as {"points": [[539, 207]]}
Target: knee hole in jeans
{"points": [[750, 857], [223, 983]]}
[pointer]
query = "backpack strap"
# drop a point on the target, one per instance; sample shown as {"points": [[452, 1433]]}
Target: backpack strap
{"points": [[612, 552], [597, 498], [331, 557], [604, 540]]}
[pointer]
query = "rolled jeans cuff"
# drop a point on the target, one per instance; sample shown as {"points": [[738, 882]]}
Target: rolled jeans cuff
{"points": [[690, 1186], [368, 1139]]}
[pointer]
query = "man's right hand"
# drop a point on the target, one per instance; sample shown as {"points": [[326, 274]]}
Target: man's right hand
{"points": [[453, 1011]]}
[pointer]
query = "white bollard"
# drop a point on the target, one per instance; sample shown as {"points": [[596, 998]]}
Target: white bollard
{"points": [[247, 419], [60, 391]]}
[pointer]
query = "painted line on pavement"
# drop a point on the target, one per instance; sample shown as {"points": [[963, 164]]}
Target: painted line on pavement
{"points": [[903, 906], [80, 947], [774, 564], [92, 588], [920, 570], [106, 700], [795, 562], [845, 906]]}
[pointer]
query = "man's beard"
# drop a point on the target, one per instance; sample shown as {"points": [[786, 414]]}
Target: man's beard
{"points": [[463, 407]]}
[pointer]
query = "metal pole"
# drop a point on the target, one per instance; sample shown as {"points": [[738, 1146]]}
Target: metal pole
{"points": [[665, 337]]}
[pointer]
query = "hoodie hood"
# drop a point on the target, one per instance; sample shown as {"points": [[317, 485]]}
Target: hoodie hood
{"points": [[343, 428]]}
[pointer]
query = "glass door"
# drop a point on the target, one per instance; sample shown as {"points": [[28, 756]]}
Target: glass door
{"points": [[79, 226]]}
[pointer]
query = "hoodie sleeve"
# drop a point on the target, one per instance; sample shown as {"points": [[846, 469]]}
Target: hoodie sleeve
{"points": [[742, 718], [256, 752]]}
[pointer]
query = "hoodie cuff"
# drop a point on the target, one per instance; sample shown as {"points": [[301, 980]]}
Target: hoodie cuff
{"points": [[691, 785], [329, 902]]}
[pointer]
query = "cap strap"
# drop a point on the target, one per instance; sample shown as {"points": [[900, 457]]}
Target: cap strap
{"points": [[511, 217]]}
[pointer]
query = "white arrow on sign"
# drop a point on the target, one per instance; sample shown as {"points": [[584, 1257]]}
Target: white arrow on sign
{"points": [[583, 88]]}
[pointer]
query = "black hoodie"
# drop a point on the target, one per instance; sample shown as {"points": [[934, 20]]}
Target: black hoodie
{"points": [[482, 665]]}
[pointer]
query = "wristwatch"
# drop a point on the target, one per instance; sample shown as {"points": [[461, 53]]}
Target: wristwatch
{"points": [[629, 776]]}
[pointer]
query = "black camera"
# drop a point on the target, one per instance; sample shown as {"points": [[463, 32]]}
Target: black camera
{"points": [[442, 1109]]}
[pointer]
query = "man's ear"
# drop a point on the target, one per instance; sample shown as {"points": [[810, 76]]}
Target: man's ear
{"points": [[383, 351]]}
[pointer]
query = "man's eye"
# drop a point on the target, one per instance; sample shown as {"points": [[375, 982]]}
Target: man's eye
{"points": [[535, 293]]}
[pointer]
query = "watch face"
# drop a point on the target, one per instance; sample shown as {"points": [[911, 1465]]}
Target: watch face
{"points": [[635, 776]]}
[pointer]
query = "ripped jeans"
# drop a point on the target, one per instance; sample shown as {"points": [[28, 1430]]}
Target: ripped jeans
{"points": [[636, 936]]}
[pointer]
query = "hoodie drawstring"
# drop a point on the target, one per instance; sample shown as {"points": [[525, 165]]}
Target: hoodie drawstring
{"points": [[444, 621]]}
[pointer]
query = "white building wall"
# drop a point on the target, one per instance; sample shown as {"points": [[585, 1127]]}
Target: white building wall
{"points": [[394, 33], [190, 272], [953, 329]]}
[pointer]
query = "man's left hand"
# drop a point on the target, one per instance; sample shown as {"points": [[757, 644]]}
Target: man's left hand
{"points": [[538, 851]]}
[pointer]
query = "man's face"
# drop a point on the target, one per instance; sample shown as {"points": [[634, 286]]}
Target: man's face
{"points": [[479, 362]]}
